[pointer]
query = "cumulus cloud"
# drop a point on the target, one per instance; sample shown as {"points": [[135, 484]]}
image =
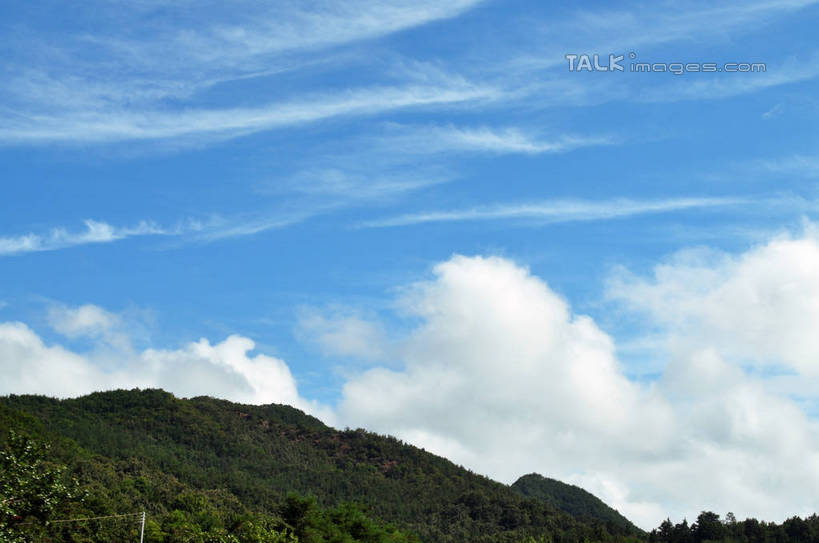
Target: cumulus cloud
{"points": [[502, 377], [28, 365], [225, 369], [81, 321], [759, 307], [499, 374], [344, 334]]}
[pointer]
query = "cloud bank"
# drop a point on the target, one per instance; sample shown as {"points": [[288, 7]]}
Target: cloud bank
{"points": [[224, 369], [499, 374], [502, 377]]}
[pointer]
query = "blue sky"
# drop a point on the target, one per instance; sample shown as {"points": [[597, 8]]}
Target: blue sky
{"points": [[291, 173]]}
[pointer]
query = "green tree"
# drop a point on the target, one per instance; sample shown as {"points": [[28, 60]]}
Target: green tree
{"points": [[31, 488], [708, 527]]}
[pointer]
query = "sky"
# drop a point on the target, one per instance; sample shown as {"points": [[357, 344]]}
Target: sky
{"points": [[436, 220]]}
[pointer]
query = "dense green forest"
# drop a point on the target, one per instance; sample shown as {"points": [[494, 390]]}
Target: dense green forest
{"points": [[207, 470], [710, 527], [201, 466], [571, 499]]}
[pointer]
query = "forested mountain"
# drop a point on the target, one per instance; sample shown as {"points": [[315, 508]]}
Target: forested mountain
{"points": [[211, 470], [571, 499]]}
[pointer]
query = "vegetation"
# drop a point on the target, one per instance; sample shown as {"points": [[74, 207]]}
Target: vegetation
{"points": [[208, 471], [573, 500], [709, 527], [31, 488]]}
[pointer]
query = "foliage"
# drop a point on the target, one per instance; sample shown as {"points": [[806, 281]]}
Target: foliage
{"points": [[710, 528], [32, 489], [573, 500], [211, 470]]}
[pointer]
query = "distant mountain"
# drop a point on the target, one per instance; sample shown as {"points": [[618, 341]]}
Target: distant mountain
{"points": [[147, 449], [571, 499]]}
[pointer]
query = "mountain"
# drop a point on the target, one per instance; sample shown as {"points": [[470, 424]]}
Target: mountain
{"points": [[175, 457], [571, 499]]}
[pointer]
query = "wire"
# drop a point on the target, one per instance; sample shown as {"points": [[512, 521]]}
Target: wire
{"points": [[85, 519], [96, 518]]}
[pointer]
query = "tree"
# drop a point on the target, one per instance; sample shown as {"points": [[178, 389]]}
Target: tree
{"points": [[798, 530], [708, 527], [31, 488], [665, 533]]}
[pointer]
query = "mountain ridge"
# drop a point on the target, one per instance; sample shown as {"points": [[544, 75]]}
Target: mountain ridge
{"points": [[139, 444]]}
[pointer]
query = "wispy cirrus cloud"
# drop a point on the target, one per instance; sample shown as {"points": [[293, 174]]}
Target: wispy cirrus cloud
{"points": [[307, 194], [426, 139], [244, 37], [668, 23], [108, 126], [150, 78], [350, 185], [794, 165], [60, 238], [99, 232], [540, 71], [637, 25], [168, 49], [553, 211], [727, 85], [295, 26]]}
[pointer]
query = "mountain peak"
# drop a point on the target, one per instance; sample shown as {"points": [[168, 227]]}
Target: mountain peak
{"points": [[570, 499]]}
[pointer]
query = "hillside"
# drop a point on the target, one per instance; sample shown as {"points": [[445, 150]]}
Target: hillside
{"points": [[137, 449], [571, 499]]}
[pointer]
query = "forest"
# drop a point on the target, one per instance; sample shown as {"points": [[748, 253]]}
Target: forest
{"points": [[206, 470]]}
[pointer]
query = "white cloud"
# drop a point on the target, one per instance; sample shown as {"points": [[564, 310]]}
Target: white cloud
{"points": [[342, 334], [29, 366], [60, 238], [639, 27], [759, 307], [224, 369], [119, 125], [726, 85], [212, 229], [247, 35], [85, 320], [65, 94], [501, 376], [506, 140], [292, 27], [359, 185], [555, 211], [695, 20], [110, 333], [802, 166], [775, 111], [118, 85], [115, 68]]}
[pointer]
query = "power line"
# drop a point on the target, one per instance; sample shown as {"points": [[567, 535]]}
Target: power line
{"points": [[87, 518], [97, 518]]}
